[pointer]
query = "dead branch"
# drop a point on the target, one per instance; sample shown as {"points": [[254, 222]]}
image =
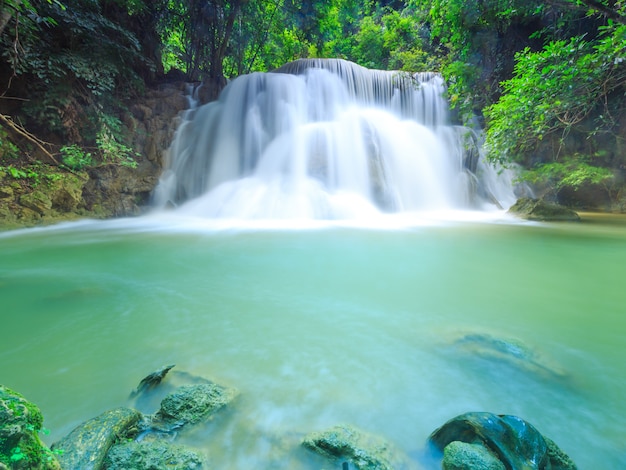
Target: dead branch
{"points": [[8, 122]]}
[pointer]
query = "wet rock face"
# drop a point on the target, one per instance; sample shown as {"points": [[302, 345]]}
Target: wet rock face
{"points": [[513, 441], [150, 126], [20, 423]]}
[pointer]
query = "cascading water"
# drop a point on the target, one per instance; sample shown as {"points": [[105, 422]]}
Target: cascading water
{"points": [[326, 139]]}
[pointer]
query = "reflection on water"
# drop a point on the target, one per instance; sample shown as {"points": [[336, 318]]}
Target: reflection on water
{"points": [[394, 331]]}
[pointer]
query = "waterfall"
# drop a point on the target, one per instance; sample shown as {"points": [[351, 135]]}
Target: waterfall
{"points": [[326, 139]]}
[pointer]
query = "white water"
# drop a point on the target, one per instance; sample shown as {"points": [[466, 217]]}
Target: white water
{"points": [[326, 139]]}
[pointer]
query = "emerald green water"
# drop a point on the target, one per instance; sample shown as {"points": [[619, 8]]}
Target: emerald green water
{"points": [[324, 326]]}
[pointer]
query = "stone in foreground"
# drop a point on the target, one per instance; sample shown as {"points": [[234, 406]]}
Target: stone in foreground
{"points": [[515, 442], [348, 444], [463, 456], [191, 404], [87, 445], [152, 455], [20, 423]]}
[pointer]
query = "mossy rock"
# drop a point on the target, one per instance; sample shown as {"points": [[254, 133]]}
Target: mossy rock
{"points": [[558, 459], [191, 404], [152, 455], [66, 192], [349, 444], [463, 456], [20, 423], [87, 445], [6, 192], [36, 201], [540, 210]]}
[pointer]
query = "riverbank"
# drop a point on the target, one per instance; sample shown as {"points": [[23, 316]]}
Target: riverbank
{"points": [[42, 194]]}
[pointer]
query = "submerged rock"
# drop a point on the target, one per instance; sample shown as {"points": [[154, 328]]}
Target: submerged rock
{"points": [[509, 351], [152, 455], [87, 445], [20, 423], [540, 210], [515, 442], [191, 404], [364, 451]]}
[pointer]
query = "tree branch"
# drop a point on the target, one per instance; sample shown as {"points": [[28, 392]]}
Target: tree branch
{"points": [[8, 122], [605, 10]]}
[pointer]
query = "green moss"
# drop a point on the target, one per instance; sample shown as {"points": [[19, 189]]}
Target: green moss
{"points": [[20, 423]]}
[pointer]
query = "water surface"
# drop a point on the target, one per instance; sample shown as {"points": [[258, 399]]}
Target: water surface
{"points": [[323, 326]]}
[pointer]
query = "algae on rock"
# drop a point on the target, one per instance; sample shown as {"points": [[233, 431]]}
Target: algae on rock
{"points": [[20, 423], [365, 451], [87, 445], [152, 455]]}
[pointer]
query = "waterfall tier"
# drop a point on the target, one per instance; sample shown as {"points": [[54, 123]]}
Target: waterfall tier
{"points": [[326, 139]]}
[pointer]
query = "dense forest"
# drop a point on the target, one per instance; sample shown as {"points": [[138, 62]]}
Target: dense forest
{"points": [[544, 79]]}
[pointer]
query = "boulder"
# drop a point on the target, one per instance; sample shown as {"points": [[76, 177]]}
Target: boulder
{"points": [[191, 404], [540, 210], [152, 455], [348, 444], [515, 442], [463, 456], [87, 445], [20, 423]]}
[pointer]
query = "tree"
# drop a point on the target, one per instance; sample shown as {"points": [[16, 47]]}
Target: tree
{"points": [[560, 114]]}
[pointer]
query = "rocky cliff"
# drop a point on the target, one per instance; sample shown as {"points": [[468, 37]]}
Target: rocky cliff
{"points": [[46, 194]]}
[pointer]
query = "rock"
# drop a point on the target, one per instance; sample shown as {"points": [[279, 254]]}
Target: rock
{"points": [[364, 451], [559, 459], [463, 456], [509, 351], [87, 445], [6, 192], [151, 456], [66, 193], [36, 201], [191, 404], [516, 443], [151, 380], [20, 423], [540, 210]]}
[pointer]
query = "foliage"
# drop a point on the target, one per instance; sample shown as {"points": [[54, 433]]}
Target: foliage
{"points": [[197, 34], [572, 172], [8, 150], [471, 41], [75, 157], [555, 90], [75, 59]]}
